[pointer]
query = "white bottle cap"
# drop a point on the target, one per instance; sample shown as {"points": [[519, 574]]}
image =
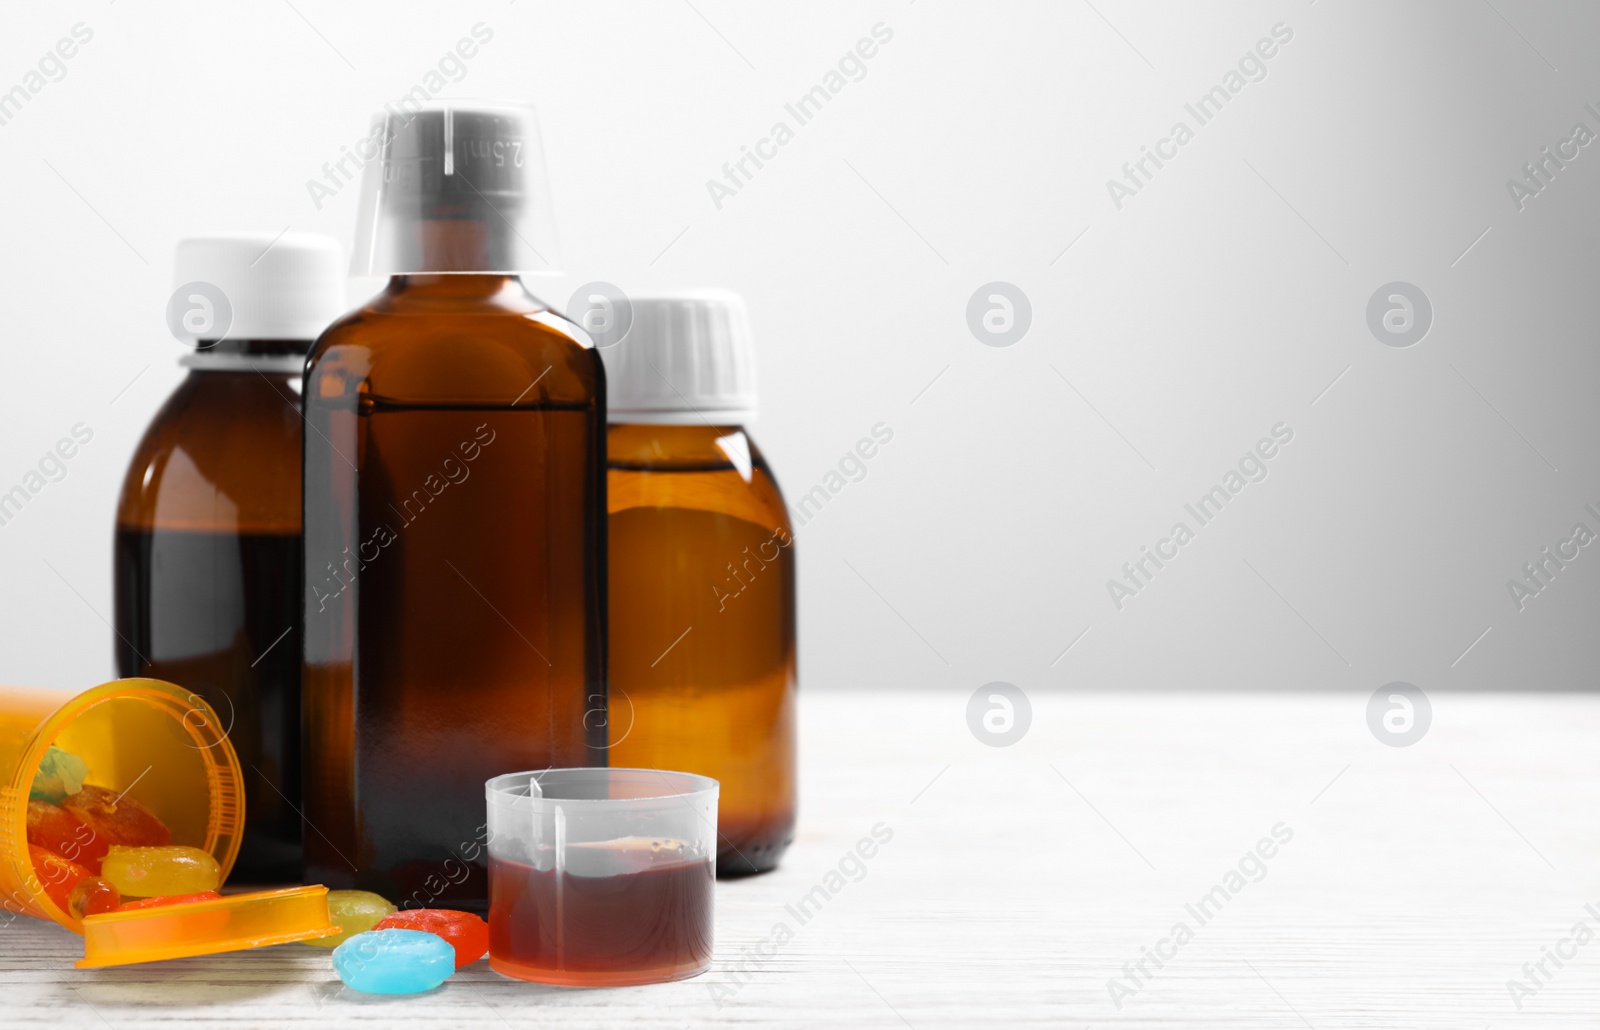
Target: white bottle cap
{"points": [[687, 359], [285, 286]]}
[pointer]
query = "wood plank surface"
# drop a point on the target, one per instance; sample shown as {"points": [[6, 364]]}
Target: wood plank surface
{"points": [[1406, 887]]}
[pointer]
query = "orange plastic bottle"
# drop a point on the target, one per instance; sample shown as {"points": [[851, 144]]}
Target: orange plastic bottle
{"points": [[702, 572], [153, 742]]}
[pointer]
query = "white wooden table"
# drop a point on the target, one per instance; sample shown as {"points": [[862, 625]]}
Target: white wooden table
{"points": [[1019, 880]]}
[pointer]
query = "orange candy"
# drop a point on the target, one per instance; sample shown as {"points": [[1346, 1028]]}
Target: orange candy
{"points": [[115, 819], [92, 896], [463, 931], [87, 824], [56, 875], [53, 829], [170, 899]]}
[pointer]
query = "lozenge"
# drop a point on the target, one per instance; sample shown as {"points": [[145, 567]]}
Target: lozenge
{"points": [[394, 961], [353, 912], [116, 818], [466, 933], [91, 896], [156, 872], [89, 821], [51, 827], [57, 875]]}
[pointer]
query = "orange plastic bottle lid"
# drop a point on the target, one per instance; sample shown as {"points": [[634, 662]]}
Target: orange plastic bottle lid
{"points": [[231, 923]]}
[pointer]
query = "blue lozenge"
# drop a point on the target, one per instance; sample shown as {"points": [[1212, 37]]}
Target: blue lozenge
{"points": [[394, 961]]}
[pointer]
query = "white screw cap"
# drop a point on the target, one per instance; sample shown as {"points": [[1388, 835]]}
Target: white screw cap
{"points": [[279, 287], [688, 358]]}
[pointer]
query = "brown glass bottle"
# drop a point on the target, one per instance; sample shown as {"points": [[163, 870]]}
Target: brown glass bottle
{"points": [[207, 573], [455, 574], [702, 626]]}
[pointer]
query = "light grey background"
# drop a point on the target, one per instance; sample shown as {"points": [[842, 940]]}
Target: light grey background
{"points": [[1167, 336]]}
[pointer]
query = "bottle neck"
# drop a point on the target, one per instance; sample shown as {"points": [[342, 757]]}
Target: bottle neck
{"points": [[461, 245], [280, 357], [437, 293], [458, 285]]}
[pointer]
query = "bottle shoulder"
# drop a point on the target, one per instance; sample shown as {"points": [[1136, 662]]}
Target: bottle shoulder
{"points": [[725, 492], [222, 452], [698, 467], [469, 352]]}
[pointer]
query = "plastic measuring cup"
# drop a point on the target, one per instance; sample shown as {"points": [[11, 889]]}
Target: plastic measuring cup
{"points": [[601, 877], [159, 744]]}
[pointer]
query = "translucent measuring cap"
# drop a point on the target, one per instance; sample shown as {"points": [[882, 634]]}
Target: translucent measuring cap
{"points": [[233, 922], [454, 186]]}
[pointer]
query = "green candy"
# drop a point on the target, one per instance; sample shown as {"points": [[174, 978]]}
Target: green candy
{"points": [[354, 911], [61, 775]]}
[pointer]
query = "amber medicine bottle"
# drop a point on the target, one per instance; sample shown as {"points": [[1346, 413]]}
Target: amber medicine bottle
{"points": [[455, 589], [702, 572], [207, 551]]}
